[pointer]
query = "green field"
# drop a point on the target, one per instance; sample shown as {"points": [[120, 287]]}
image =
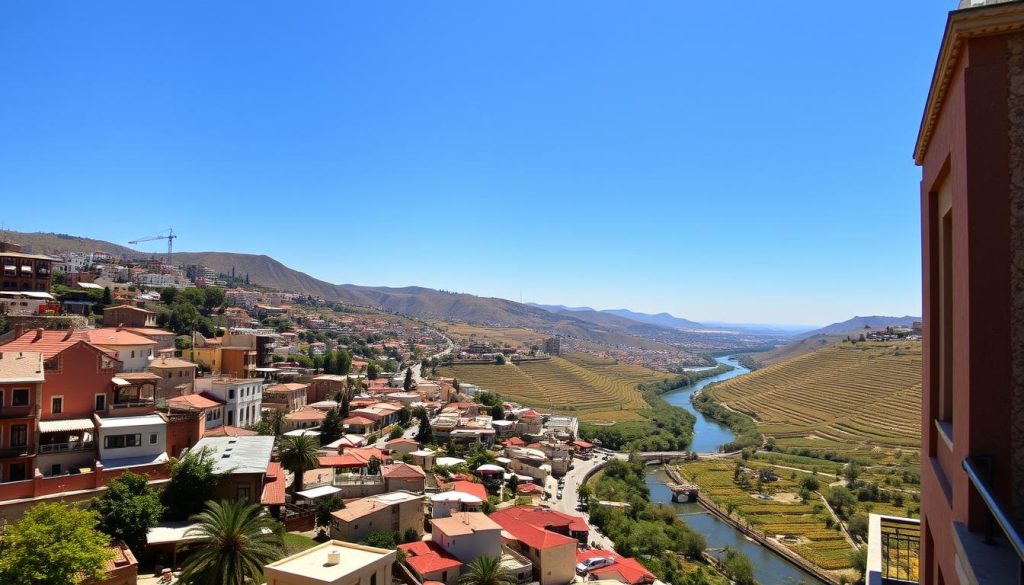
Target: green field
{"points": [[595, 389], [856, 400]]}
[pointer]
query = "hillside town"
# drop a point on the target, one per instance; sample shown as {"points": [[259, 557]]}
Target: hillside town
{"points": [[327, 421]]}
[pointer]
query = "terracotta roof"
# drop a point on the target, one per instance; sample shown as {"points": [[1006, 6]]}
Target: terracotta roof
{"points": [[528, 488], [532, 525], [468, 487], [402, 471], [631, 571], [306, 414], [229, 431], [148, 331], [427, 557], [195, 401], [49, 342], [21, 366], [112, 336], [170, 362], [273, 489], [583, 444], [358, 508], [358, 420], [402, 441], [464, 523], [515, 442], [130, 307], [284, 388]]}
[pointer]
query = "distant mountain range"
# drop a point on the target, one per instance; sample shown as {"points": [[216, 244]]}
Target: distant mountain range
{"points": [[858, 324], [660, 319]]}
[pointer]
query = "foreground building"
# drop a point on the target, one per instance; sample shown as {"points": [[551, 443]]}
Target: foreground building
{"points": [[333, 563], [971, 150]]}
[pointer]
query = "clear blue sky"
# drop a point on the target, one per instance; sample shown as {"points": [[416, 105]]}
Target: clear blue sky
{"points": [[735, 161]]}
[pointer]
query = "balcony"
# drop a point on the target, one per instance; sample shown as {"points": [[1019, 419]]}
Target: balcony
{"points": [[21, 451], [7, 412], [67, 447], [893, 550]]}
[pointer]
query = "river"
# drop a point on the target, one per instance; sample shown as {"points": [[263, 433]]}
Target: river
{"points": [[769, 568]]}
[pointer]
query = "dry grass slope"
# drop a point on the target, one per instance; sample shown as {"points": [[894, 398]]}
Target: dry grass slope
{"points": [[861, 399], [594, 389]]}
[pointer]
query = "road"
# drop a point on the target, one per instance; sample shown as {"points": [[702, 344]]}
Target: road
{"points": [[570, 497]]}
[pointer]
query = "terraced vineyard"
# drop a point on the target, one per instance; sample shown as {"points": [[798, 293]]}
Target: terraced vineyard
{"points": [[859, 399], [592, 388]]}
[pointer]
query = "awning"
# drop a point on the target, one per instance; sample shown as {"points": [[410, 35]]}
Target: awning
{"points": [[58, 426], [120, 381], [319, 492], [268, 369]]}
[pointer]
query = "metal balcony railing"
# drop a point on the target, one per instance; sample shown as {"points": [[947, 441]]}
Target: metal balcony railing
{"points": [[66, 447], [997, 517], [132, 404]]}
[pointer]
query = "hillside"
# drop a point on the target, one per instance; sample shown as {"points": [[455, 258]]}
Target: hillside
{"points": [[858, 399], [430, 304], [592, 388], [858, 324], [50, 243], [595, 316], [795, 349]]}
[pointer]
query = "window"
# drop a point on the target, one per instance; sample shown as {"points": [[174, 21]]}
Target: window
{"points": [[101, 402], [55, 469], [57, 405], [231, 393], [943, 303], [122, 441], [133, 353], [231, 417], [19, 435], [17, 472], [1, 398], [19, 397], [243, 493], [152, 438]]}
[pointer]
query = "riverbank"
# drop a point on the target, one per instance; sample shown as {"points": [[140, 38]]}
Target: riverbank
{"points": [[755, 535]]}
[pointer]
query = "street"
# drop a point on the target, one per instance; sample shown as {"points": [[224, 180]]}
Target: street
{"points": [[570, 489]]}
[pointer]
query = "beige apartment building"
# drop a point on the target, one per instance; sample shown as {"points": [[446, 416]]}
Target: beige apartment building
{"points": [[394, 511]]}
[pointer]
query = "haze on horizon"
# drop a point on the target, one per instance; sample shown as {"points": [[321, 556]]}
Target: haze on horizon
{"points": [[720, 162]]}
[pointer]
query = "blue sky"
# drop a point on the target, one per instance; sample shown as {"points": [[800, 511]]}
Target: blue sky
{"points": [[731, 161]]}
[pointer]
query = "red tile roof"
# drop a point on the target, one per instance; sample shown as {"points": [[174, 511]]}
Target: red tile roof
{"points": [[403, 471], [469, 487], [273, 489], [358, 420], [583, 444], [194, 401], [48, 342], [428, 557], [515, 442], [535, 525], [229, 431], [306, 414], [112, 336], [631, 571], [529, 488]]}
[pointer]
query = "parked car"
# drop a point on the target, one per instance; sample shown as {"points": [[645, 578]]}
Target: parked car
{"points": [[593, 563]]}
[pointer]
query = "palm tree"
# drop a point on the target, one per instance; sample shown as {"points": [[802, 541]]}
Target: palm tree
{"points": [[486, 570], [232, 541], [299, 455]]}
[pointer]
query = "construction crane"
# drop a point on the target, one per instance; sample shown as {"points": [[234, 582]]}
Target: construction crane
{"points": [[169, 235]]}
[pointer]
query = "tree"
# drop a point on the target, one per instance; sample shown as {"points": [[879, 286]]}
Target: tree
{"points": [[53, 544], [107, 299], [325, 507], [372, 371], [230, 544], [583, 494], [128, 509], [330, 429], [381, 539], [407, 385], [425, 434], [373, 465], [859, 560], [345, 404], [739, 567], [858, 527], [498, 412], [192, 483], [213, 297], [499, 359], [486, 570], [299, 455], [841, 500], [410, 535], [404, 416], [396, 433]]}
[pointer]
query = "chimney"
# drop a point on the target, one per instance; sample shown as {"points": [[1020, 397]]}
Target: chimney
{"points": [[39, 334], [19, 330], [333, 557]]}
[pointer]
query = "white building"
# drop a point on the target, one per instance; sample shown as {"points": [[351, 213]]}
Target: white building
{"points": [[467, 535], [333, 563], [241, 396], [126, 441], [134, 351]]}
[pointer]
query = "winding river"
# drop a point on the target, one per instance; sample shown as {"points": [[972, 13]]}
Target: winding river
{"points": [[769, 568]]}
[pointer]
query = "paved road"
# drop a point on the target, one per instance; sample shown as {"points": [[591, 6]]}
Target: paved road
{"points": [[570, 498]]}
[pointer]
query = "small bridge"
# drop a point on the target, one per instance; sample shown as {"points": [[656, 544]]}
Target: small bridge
{"points": [[683, 492]]}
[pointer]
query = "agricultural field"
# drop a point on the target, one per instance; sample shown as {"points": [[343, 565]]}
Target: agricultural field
{"points": [[782, 509], [853, 400], [507, 336], [595, 389]]}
